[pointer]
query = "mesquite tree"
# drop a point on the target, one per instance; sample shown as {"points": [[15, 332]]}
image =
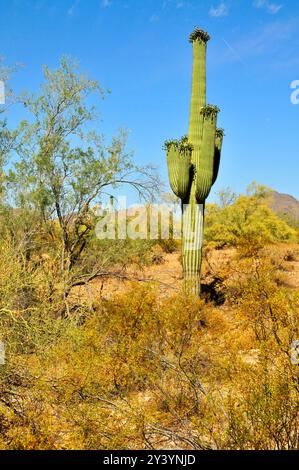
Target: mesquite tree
{"points": [[8, 137], [63, 167], [193, 164]]}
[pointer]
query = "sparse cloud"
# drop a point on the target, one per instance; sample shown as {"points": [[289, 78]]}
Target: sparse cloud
{"points": [[233, 52], [269, 39], [174, 4], [71, 10], [219, 11], [106, 3], [165, 4], [154, 18], [271, 8]]}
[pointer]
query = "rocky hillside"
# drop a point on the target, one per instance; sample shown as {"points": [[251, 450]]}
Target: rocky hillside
{"points": [[284, 204]]}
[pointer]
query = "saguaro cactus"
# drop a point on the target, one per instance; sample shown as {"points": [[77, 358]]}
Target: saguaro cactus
{"points": [[193, 164]]}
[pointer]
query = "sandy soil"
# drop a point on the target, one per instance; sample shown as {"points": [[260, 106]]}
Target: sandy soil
{"points": [[168, 278]]}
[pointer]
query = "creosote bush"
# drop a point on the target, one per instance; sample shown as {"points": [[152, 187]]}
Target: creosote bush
{"points": [[138, 371]]}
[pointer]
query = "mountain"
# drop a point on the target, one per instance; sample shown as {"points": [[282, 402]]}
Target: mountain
{"points": [[284, 204]]}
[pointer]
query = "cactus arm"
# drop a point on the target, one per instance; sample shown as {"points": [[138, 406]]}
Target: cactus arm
{"points": [[199, 41], [217, 155], [179, 166], [205, 158]]}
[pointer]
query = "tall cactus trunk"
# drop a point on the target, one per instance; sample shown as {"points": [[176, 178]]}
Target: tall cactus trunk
{"points": [[193, 224], [193, 212], [193, 164]]}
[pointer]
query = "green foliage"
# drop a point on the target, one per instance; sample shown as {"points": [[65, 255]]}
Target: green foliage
{"points": [[53, 173], [63, 167], [247, 220], [8, 137]]}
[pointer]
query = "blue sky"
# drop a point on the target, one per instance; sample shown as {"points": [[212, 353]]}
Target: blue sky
{"points": [[139, 49]]}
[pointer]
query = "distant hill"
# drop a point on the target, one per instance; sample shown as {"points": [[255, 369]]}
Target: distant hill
{"points": [[284, 204]]}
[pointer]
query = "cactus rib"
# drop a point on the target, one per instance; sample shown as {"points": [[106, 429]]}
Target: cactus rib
{"points": [[193, 163]]}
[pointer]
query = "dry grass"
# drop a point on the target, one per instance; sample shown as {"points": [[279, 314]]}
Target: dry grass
{"points": [[137, 366]]}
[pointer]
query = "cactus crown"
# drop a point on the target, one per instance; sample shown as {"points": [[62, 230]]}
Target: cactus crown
{"points": [[169, 143], [185, 144], [220, 133], [210, 110], [199, 35], [182, 144]]}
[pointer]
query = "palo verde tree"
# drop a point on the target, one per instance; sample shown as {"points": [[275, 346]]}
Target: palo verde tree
{"points": [[8, 138], [63, 167], [193, 164]]}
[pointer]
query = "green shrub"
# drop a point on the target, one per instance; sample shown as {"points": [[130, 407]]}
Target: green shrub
{"points": [[248, 220]]}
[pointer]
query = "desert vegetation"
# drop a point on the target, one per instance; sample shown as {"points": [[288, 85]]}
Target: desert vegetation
{"points": [[104, 349]]}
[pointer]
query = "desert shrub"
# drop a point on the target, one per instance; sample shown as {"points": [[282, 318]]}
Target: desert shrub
{"points": [[263, 415], [111, 253], [170, 245], [137, 370]]}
